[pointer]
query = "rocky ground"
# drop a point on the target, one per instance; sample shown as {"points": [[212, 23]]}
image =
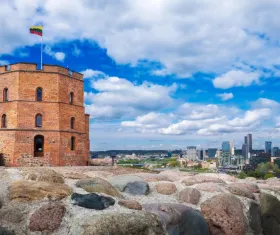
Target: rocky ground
{"points": [[123, 201]]}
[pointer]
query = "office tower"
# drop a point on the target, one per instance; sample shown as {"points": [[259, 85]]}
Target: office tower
{"points": [[201, 154], [244, 151], [250, 143], [232, 147], [212, 152], [218, 153], [226, 146], [245, 140], [191, 153], [275, 152], [267, 146]]}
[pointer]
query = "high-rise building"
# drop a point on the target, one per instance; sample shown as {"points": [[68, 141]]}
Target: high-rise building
{"points": [[250, 143], [245, 140], [244, 151], [201, 154], [275, 152], [232, 150], [226, 146], [267, 147], [191, 153], [212, 152]]}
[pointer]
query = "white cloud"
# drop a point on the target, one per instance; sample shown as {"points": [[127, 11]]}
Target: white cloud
{"points": [[180, 35], [266, 103], [236, 78], [60, 56], [89, 73], [4, 62], [225, 96], [119, 98]]}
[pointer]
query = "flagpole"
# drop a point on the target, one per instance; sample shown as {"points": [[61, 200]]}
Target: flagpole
{"points": [[42, 52]]}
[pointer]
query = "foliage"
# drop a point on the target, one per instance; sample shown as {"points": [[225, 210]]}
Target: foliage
{"points": [[174, 163], [268, 175], [242, 175]]}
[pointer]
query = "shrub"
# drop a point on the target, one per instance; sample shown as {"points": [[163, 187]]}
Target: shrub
{"points": [[173, 163], [242, 175], [268, 175]]}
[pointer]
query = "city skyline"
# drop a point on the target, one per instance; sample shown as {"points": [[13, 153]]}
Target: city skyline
{"points": [[169, 74]]}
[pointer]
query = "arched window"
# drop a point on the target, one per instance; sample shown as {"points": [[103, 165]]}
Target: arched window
{"points": [[38, 146], [72, 143], [38, 120], [5, 94], [4, 121], [71, 98], [72, 123], [39, 94]]}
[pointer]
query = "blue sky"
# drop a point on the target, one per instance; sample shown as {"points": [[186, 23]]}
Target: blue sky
{"points": [[160, 74]]}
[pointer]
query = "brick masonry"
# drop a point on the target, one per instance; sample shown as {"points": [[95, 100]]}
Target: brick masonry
{"points": [[17, 140]]}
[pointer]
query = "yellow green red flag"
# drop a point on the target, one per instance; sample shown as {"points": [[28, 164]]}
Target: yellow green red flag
{"points": [[38, 30]]}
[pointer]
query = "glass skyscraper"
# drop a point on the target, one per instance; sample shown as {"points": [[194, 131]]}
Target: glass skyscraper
{"points": [[268, 145], [226, 146]]}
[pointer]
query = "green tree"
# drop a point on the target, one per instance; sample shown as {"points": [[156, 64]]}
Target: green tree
{"points": [[242, 175], [268, 175]]}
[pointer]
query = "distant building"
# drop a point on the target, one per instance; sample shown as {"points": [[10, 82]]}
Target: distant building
{"points": [[226, 146], [232, 147], [267, 146], [244, 151], [245, 140], [212, 152], [218, 153], [202, 154], [191, 153], [250, 143], [275, 152], [263, 158]]}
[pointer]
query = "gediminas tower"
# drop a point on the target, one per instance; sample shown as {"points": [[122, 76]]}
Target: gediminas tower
{"points": [[43, 120]]}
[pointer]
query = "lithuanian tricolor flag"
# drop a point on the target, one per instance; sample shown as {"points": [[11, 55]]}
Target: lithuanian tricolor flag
{"points": [[37, 30]]}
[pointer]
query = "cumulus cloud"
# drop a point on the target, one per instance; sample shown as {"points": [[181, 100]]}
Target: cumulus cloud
{"points": [[119, 98], [236, 78], [60, 56], [225, 96], [266, 103], [89, 73], [131, 31]]}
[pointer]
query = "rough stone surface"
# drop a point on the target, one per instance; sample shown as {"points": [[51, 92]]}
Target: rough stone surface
{"points": [[210, 187], [120, 182], [254, 217], [149, 177], [189, 195], [75, 175], [166, 188], [98, 185], [137, 188], [23, 190], [44, 174], [13, 212], [241, 190], [47, 218], [172, 175], [224, 214], [270, 210], [179, 219], [197, 179], [92, 201], [4, 231], [140, 223], [131, 204]]}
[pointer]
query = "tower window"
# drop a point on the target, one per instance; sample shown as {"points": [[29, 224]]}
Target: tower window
{"points": [[71, 98], [5, 94], [39, 94], [72, 143], [38, 120], [4, 121], [38, 146], [72, 123]]}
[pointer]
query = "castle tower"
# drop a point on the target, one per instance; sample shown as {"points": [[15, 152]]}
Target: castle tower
{"points": [[43, 120]]}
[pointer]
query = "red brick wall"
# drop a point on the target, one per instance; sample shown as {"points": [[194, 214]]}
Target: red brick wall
{"points": [[17, 141]]}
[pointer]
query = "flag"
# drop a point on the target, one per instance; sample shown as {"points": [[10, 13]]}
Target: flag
{"points": [[38, 30]]}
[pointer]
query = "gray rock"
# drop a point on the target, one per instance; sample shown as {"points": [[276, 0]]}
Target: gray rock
{"points": [[190, 195], [4, 231], [137, 188], [121, 181], [254, 217], [138, 223], [92, 201], [179, 219], [270, 210]]}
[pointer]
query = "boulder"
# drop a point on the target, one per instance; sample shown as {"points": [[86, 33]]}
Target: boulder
{"points": [[120, 182], [4, 231], [224, 214], [179, 219], [137, 188], [189, 195], [166, 188], [241, 190], [98, 185], [47, 218], [23, 190], [75, 175], [270, 214], [254, 217], [210, 187], [172, 175], [150, 177], [139, 223], [100, 174], [92, 201], [197, 179], [44, 174], [250, 179], [131, 204]]}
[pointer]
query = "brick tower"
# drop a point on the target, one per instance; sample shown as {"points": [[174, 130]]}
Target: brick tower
{"points": [[43, 120]]}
